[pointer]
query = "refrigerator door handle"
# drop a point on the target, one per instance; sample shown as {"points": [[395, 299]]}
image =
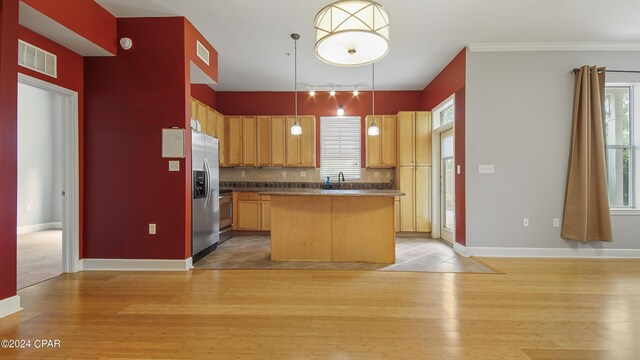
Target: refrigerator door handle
{"points": [[207, 176]]}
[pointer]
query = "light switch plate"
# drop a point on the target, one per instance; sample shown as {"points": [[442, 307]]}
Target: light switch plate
{"points": [[242, 173], [556, 222], [284, 174], [174, 165], [458, 169], [152, 229], [486, 169]]}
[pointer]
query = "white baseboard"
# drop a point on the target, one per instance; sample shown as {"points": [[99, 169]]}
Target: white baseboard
{"points": [[136, 265], [547, 252], [9, 306], [38, 227]]}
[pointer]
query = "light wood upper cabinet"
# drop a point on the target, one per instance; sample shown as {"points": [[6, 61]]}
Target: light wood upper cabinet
{"points": [[406, 138], [381, 149], [423, 198], [211, 122], [221, 133], [264, 141], [249, 141], [278, 128], [202, 117], [308, 141], [194, 109], [423, 138], [234, 148], [292, 145]]}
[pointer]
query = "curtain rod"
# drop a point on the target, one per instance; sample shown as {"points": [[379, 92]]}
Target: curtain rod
{"points": [[611, 71]]}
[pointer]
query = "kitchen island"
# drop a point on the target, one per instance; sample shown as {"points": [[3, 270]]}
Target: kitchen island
{"points": [[333, 225]]}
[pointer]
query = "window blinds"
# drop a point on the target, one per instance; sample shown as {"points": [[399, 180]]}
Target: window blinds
{"points": [[340, 143]]}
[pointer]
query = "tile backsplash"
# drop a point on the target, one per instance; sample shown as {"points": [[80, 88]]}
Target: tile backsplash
{"points": [[298, 175]]}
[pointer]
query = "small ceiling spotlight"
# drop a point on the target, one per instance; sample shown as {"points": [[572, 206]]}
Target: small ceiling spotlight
{"points": [[356, 92], [340, 111], [332, 92], [312, 92]]}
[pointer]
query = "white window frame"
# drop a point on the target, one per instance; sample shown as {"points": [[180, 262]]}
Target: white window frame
{"points": [[349, 175], [634, 121], [437, 111]]}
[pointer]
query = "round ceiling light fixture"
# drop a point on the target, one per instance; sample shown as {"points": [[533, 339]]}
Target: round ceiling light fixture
{"points": [[352, 33]]}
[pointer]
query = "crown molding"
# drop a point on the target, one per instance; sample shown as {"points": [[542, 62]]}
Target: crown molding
{"points": [[555, 46]]}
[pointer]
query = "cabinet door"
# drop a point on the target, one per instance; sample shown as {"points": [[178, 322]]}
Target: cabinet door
{"points": [[407, 206], [423, 198], [211, 122], [234, 124], [374, 152], [265, 221], [278, 128], [221, 133], [308, 141], [388, 146], [248, 215], [249, 140], [423, 138], [194, 108], [397, 217], [202, 117], [264, 141], [292, 145], [406, 138]]}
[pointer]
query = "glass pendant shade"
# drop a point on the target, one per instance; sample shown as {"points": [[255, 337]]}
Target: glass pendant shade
{"points": [[373, 130], [296, 129], [352, 33]]}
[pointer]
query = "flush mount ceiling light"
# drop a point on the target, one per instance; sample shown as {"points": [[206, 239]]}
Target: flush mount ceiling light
{"points": [[352, 33]]}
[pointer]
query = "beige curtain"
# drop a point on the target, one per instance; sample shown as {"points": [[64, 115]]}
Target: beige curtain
{"points": [[586, 206]]}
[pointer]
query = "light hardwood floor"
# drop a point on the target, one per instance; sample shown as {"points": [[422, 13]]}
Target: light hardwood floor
{"points": [[539, 309]]}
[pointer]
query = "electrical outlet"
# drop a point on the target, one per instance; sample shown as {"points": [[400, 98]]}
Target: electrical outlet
{"points": [[525, 222], [28, 207], [388, 174], [284, 174], [556, 222], [152, 229], [174, 165], [242, 173], [303, 174]]}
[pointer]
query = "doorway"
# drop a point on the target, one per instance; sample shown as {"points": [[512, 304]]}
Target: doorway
{"points": [[447, 186], [48, 181]]}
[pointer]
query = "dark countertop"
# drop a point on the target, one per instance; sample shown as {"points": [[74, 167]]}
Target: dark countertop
{"points": [[322, 192]]}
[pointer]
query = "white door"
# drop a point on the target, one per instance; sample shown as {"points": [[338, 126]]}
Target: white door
{"points": [[447, 186]]}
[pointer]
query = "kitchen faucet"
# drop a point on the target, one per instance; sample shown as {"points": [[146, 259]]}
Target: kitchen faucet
{"points": [[340, 179]]}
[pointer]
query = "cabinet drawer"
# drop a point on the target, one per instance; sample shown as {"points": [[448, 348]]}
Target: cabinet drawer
{"points": [[265, 197], [254, 196]]}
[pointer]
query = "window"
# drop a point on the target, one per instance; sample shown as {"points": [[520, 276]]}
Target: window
{"points": [[621, 142], [444, 113], [340, 143]]}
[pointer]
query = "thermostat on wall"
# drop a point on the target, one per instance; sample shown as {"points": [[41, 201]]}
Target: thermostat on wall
{"points": [[173, 143]]}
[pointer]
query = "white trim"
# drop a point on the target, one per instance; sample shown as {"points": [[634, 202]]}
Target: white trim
{"points": [[546, 252], [9, 306], [39, 227], [71, 204], [625, 212], [460, 249], [555, 46], [136, 265]]}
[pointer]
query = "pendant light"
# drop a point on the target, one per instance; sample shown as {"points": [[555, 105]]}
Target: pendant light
{"points": [[296, 129], [373, 129]]}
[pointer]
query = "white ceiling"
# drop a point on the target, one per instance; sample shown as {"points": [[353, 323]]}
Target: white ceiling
{"points": [[252, 36]]}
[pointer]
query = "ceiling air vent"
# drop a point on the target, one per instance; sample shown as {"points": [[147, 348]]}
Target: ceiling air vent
{"points": [[202, 52], [37, 59]]}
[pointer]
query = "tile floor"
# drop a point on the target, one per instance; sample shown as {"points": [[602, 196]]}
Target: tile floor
{"points": [[418, 254]]}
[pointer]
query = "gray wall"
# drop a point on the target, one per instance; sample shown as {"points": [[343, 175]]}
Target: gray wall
{"points": [[39, 157], [519, 109]]}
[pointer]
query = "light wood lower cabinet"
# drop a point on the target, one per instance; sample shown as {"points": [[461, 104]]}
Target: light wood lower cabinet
{"points": [[397, 215], [407, 202], [423, 199], [253, 211]]}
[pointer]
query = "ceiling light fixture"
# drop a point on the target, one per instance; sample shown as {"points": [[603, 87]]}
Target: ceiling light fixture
{"points": [[373, 129], [296, 129], [352, 33], [340, 111], [312, 93], [356, 92], [332, 92]]}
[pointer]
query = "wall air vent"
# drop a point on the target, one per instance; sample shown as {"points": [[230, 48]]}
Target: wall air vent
{"points": [[37, 59], [202, 52]]}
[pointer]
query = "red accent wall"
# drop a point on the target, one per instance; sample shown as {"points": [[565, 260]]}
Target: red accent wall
{"points": [[205, 94], [191, 36], [322, 104], [84, 17], [8, 145], [70, 76], [452, 80], [129, 99]]}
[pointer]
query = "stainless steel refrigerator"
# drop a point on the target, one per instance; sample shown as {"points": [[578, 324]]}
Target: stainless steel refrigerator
{"points": [[205, 191]]}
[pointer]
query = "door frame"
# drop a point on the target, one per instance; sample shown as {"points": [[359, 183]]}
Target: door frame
{"points": [[71, 261], [437, 166], [451, 239]]}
